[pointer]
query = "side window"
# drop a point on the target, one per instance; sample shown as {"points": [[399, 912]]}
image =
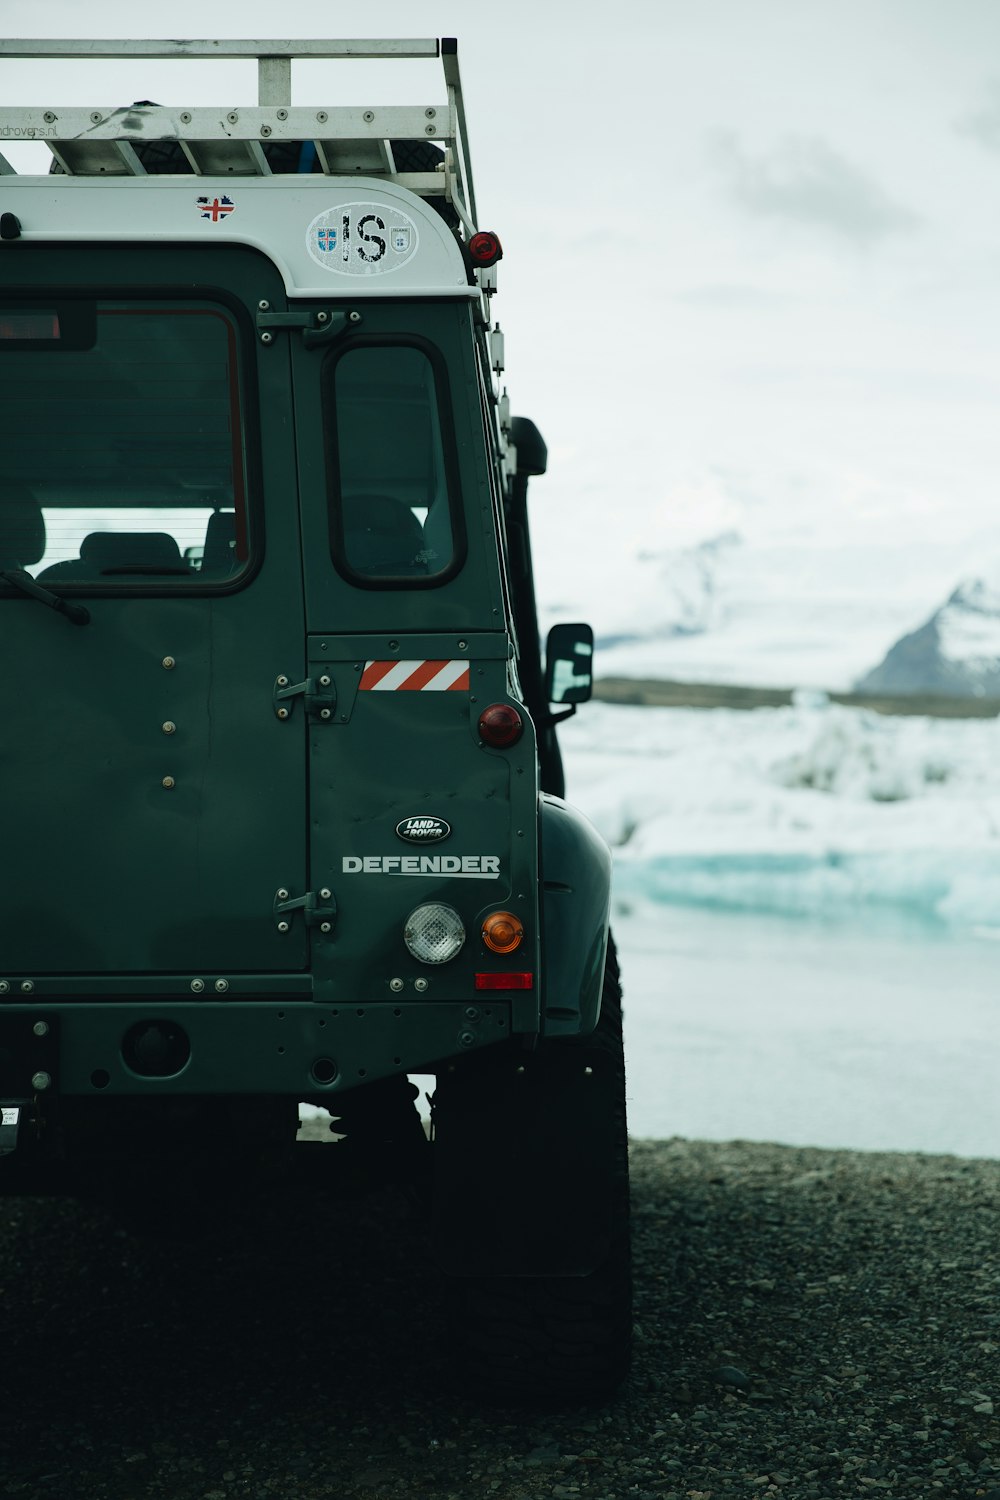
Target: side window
{"points": [[390, 457], [122, 442]]}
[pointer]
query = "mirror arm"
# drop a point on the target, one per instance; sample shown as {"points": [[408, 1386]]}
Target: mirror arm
{"points": [[551, 718]]}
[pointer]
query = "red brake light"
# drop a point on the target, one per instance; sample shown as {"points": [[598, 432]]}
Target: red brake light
{"points": [[518, 981], [500, 725], [485, 248]]}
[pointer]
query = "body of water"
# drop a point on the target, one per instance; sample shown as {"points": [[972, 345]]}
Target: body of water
{"points": [[764, 1027]]}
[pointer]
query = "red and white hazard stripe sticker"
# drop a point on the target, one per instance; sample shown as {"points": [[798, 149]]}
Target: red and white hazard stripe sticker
{"points": [[415, 677]]}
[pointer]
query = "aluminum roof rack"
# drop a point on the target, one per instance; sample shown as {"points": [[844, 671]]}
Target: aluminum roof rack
{"points": [[216, 141]]}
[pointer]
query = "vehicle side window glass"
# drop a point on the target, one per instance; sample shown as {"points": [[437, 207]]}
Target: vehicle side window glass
{"points": [[123, 462], [391, 511]]}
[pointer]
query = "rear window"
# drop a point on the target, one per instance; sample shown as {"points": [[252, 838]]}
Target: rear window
{"points": [[391, 462], [123, 457]]}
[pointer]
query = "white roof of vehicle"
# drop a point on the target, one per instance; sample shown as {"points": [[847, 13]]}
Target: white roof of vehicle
{"points": [[358, 226], [327, 236]]}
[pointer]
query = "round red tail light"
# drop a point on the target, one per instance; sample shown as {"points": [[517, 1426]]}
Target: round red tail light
{"points": [[500, 725], [485, 248]]}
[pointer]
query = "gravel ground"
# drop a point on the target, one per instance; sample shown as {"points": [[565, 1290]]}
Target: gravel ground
{"points": [[809, 1324]]}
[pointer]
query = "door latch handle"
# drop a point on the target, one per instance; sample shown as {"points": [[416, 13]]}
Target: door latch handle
{"points": [[318, 693], [318, 907], [318, 326]]}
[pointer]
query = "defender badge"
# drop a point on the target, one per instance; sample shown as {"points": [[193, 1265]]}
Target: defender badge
{"points": [[424, 830]]}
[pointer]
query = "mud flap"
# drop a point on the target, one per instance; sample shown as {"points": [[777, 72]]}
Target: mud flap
{"points": [[524, 1163]]}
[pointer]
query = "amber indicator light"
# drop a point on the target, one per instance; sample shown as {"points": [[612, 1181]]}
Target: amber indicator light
{"points": [[502, 932]]}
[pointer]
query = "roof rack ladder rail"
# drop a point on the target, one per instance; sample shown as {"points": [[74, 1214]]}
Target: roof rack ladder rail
{"points": [[462, 191], [274, 80], [274, 63]]}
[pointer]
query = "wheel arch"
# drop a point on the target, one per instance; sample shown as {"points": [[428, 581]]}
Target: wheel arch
{"points": [[576, 900]]}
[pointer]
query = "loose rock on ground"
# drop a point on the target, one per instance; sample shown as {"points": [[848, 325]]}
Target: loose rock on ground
{"points": [[809, 1324]]}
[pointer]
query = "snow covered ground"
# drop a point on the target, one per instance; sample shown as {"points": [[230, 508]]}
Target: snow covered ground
{"points": [[781, 610], [808, 913], [811, 810]]}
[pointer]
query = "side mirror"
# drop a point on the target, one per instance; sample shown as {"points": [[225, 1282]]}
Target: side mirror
{"points": [[532, 454], [569, 664]]}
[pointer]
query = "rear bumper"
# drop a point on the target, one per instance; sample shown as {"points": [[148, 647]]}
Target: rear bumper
{"points": [[295, 1048]]}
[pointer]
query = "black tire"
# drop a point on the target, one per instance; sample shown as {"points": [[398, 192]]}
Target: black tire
{"points": [[560, 1340]]}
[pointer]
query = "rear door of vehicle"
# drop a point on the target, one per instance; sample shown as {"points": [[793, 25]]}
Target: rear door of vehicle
{"points": [[153, 801], [406, 620]]}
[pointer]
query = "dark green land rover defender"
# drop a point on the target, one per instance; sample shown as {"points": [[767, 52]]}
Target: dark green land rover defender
{"points": [[281, 795]]}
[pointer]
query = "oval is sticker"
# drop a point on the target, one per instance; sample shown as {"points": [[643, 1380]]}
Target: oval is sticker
{"points": [[423, 830], [361, 239]]}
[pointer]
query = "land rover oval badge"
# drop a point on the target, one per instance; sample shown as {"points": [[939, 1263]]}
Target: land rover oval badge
{"points": [[423, 830]]}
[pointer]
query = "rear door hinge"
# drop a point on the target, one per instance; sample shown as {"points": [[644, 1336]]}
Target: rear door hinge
{"points": [[318, 907], [319, 326], [318, 693]]}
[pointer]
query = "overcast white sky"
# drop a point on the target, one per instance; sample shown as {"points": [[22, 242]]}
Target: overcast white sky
{"points": [[752, 246]]}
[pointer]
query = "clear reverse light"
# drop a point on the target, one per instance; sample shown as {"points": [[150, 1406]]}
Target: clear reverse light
{"points": [[434, 933]]}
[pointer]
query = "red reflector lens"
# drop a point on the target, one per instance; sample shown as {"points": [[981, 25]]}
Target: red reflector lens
{"points": [[485, 248], [38, 325], [504, 981], [500, 725]]}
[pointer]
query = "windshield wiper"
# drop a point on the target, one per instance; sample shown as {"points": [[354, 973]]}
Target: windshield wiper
{"points": [[18, 579]]}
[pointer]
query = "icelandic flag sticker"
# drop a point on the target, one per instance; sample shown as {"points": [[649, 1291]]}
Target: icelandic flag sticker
{"points": [[215, 208]]}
